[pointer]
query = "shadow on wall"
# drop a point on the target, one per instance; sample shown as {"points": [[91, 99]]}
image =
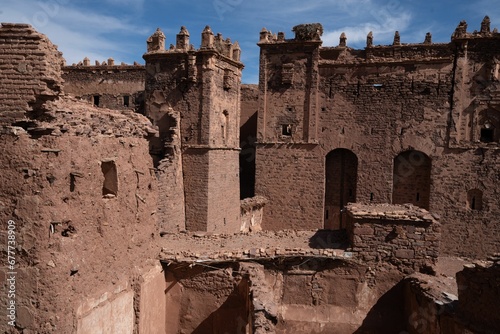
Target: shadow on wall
{"points": [[248, 133], [329, 239], [387, 315], [160, 147], [232, 316]]}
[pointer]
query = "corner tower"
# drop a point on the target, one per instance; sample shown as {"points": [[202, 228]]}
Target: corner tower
{"points": [[201, 87]]}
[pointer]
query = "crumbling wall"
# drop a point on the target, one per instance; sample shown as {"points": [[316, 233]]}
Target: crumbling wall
{"points": [[30, 71], [430, 306], [478, 295], [71, 235], [119, 87], [251, 213], [79, 188], [287, 295]]}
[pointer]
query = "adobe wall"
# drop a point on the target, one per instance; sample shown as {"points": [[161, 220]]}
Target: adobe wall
{"points": [[293, 294], [378, 103], [118, 87], [478, 294], [30, 70], [73, 238], [80, 190]]}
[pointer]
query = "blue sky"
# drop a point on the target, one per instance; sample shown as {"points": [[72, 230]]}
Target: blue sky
{"points": [[119, 28]]}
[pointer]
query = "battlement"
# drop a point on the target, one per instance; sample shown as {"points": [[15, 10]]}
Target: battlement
{"points": [[308, 32], [427, 50], [209, 42], [106, 64]]}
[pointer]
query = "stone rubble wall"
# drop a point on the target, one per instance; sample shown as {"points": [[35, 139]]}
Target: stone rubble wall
{"points": [[406, 236]]}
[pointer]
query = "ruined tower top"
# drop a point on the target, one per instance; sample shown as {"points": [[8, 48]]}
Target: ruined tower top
{"points": [[209, 42], [309, 32], [182, 42], [156, 42], [484, 32]]}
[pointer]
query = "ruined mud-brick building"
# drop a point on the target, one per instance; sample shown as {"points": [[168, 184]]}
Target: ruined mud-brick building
{"points": [[357, 169], [404, 123]]}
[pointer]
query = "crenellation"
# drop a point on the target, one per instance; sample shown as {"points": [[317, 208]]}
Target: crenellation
{"points": [[182, 42], [369, 40], [156, 42], [343, 40], [428, 38], [485, 25], [397, 39]]}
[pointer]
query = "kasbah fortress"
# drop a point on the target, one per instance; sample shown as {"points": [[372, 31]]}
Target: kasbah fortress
{"points": [[350, 191]]}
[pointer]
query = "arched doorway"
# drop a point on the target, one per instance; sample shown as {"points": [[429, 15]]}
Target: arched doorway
{"points": [[341, 175], [412, 179]]}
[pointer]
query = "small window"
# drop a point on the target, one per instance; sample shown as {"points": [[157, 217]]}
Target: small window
{"points": [[96, 100], [286, 129], [487, 135], [289, 109], [110, 185], [126, 101], [475, 199]]}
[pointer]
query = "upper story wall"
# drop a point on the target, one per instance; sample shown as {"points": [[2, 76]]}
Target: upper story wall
{"points": [[476, 98], [107, 85], [315, 94]]}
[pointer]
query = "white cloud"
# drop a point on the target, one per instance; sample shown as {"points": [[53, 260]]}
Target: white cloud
{"points": [[78, 32], [383, 33]]}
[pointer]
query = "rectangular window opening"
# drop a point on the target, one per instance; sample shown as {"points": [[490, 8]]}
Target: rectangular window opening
{"points": [[96, 100], [110, 185], [286, 129], [487, 135], [126, 101]]}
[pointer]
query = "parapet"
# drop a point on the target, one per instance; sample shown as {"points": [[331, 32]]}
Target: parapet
{"points": [[461, 33], [209, 42], [105, 64], [426, 50], [308, 32]]}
